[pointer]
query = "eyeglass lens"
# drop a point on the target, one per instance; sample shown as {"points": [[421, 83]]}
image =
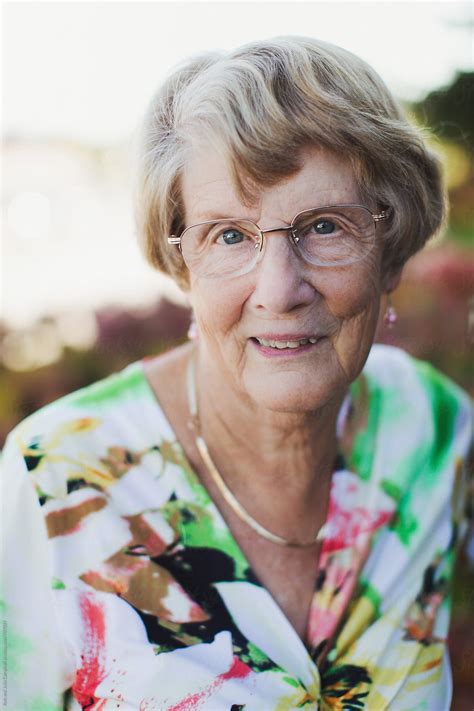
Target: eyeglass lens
{"points": [[326, 237]]}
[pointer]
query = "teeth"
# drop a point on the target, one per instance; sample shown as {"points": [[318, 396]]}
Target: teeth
{"points": [[295, 344], [286, 344]]}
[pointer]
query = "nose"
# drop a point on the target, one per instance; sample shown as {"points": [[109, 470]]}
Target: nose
{"points": [[282, 279]]}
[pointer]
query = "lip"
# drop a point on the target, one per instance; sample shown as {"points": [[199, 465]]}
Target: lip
{"points": [[286, 336], [269, 352]]}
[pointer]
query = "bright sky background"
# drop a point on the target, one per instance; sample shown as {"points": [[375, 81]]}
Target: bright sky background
{"points": [[86, 69], [84, 72]]}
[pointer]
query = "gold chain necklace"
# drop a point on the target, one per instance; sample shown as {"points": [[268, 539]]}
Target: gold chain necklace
{"points": [[234, 504]]}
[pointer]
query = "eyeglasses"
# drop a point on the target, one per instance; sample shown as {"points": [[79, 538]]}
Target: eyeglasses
{"points": [[331, 236]]}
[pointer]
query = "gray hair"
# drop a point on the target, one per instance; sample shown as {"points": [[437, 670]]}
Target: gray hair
{"points": [[263, 103]]}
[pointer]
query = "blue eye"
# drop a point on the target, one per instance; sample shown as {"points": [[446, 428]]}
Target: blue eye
{"points": [[232, 236], [324, 227]]}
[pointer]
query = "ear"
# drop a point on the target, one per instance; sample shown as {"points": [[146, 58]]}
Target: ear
{"points": [[391, 280]]}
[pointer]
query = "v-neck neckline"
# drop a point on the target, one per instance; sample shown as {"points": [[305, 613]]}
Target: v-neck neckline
{"points": [[169, 433]]}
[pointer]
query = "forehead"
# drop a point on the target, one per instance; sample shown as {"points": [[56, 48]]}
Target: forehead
{"points": [[209, 192]]}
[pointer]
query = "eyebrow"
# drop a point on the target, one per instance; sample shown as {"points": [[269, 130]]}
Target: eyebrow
{"points": [[210, 215], [241, 212]]}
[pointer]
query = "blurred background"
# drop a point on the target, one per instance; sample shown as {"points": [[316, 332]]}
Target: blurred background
{"points": [[79, 301]]}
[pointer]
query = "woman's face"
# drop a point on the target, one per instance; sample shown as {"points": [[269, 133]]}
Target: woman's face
{"points": [[283, 298]]}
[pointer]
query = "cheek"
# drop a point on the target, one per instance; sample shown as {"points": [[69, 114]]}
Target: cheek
{"points": [[355, 294], [355, 306], [217, 307]]}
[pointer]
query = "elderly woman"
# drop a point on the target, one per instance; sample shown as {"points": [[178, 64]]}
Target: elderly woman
{"points": [[267, 516]]}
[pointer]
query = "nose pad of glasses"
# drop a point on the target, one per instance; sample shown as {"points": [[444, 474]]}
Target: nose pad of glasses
{"points": [[295, 238], [258, 246]]}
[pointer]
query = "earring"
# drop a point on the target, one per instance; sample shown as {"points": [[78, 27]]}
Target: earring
{"points": [[193, 332], [390, 316]]}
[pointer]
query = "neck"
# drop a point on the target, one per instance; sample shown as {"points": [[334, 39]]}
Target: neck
{"points": [[260, 452]]}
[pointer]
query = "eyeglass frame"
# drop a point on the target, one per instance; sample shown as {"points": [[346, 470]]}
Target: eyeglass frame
{"points": [[377, 217]]}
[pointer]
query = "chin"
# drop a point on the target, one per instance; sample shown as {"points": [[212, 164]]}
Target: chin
{"points": [[291, 397]]}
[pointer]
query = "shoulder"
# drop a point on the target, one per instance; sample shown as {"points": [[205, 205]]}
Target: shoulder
{"points": [[412, 427], [90, 437], [428, 399], [420, 426], [391, 366]]}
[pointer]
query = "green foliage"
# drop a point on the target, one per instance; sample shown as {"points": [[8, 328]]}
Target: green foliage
{"points": [[449, 111]]}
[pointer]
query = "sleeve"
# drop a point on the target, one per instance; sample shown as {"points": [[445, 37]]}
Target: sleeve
{"points": [[429, 684], [468, 541], [38, 665]]}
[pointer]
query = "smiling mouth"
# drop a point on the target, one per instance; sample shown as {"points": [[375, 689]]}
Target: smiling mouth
{"points": [[282, 345]]}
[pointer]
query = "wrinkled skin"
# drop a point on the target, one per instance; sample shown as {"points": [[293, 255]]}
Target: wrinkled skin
{"points": [[282, 294]]}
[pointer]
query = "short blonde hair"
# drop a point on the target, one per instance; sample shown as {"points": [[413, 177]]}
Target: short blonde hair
{"points": [[263, 103]]}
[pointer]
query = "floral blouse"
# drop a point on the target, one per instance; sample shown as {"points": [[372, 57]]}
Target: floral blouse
{"points": [[126, 590]]}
